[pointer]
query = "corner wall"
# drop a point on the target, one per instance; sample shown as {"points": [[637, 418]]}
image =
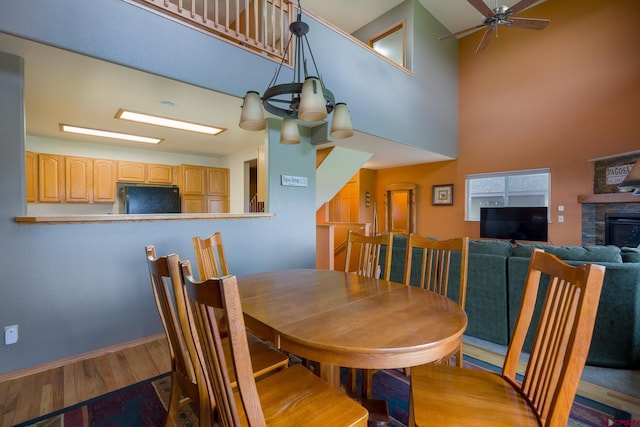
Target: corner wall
{"points": [[540, 99]]}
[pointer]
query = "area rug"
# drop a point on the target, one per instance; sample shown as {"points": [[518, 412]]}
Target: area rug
{"points": [[144, 405]]}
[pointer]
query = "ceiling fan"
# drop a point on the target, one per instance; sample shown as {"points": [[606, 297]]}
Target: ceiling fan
{"points": [[500, 15]]}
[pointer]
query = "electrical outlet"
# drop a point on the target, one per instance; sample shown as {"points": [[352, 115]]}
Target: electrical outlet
{"points": [[11, 334]]}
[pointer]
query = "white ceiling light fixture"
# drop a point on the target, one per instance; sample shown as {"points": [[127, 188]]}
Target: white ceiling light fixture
{"points": [[305, 98], [108, 134], [167, 122]]}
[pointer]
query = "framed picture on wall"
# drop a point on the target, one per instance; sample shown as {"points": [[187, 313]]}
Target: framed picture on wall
{"points": [[442, 195]]}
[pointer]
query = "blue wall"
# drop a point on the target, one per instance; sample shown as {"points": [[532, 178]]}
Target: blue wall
{"points": [[76, 288]]}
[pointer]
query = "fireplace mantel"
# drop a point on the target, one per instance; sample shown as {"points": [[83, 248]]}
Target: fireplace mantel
{"points": [[610, 198]]}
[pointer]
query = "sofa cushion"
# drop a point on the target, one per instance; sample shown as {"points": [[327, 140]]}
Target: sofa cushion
{"points": [[490, 247], [572, 253], [630, 254]]}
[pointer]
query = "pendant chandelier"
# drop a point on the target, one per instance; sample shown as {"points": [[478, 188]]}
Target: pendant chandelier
{"points": [[305, 98]]}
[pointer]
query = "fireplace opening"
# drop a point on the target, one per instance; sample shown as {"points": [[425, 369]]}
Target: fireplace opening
{"points": [[621, 229]]}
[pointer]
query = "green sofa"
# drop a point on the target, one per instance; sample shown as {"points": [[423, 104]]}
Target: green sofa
{"points": [[497, 271]]}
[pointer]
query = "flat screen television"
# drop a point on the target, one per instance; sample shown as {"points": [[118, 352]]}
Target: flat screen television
{"points": [[514, 223]]}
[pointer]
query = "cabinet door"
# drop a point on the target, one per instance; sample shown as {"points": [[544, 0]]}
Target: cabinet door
{"points": [[193, 182], [131, 171], [159, 174], [217, 204], [193, 204], [50, 178], [32, 177], [104, 181], [78, 179], [217, 181]]}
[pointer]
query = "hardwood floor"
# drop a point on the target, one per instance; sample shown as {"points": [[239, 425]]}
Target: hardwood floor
{"points": [[37, 394], [40, 393]]}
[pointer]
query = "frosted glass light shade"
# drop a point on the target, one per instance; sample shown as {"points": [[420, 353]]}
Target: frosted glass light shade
{"points": [[341, 123], [289, 133], [252, 116], [312, 104]]}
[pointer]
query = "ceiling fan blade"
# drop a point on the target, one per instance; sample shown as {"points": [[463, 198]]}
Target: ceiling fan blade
{"points": [[485, 39], [457, 33], [482, 7], [520, 6], [529, 23]]}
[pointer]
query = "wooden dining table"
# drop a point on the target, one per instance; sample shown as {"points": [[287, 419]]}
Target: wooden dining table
{"points": [[342, 319]]}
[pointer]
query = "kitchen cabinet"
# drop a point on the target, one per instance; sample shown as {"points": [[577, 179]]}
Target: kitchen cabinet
{"points": [[31, 183], [132, 171], [193, 204], [104, 181], [159, 174], [50, 178], [78, 179], [192, 180], [217, 182], [217, 204]]}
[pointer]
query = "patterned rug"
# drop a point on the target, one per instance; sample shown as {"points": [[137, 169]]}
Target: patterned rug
{"points": [[144, 405]]}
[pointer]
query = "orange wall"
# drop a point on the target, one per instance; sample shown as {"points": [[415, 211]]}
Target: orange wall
{"points": [[540, 99]]}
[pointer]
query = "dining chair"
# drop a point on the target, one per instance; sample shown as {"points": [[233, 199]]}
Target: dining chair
{"points": [[290, 397], [435, 269], [449, 395], [210, 258], [170, 300], [368, 265], [368, 250]]}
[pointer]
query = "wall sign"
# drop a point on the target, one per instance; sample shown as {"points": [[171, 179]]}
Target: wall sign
{"points": [[294, 181], [616, 174]]}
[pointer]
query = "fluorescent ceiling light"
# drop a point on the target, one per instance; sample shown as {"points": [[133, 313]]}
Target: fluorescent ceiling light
{"points": [[106, 134], [166, 122]]}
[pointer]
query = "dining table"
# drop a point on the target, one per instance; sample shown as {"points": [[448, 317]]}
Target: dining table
{"points": [[341, 319]]}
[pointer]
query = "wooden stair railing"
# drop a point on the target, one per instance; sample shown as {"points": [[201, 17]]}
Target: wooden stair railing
{"points": [[262, 27]]}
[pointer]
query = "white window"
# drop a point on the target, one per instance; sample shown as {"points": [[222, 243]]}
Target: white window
{"points": [[516, 188]]}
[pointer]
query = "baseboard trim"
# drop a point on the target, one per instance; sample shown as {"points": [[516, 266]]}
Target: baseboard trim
{"points": [[77, 358]]}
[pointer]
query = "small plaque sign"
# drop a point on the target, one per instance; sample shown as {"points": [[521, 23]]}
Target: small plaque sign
{"points": [[616, 174], [294, 181]]}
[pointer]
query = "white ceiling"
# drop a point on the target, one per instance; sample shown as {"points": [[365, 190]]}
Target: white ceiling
{"points": [[100, 88]]}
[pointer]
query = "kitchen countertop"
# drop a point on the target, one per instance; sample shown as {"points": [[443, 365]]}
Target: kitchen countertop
{"points": [[84, 219]]}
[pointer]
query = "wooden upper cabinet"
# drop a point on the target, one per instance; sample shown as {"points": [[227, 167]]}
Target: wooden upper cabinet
{"points": [[104, 181], [132, 171], [159, 174], [192, 180], [78, 179], [50, 178], [217, 182], [31, 184]]}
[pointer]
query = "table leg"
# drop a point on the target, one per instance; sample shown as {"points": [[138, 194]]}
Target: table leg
{"points": [[331, 374]]}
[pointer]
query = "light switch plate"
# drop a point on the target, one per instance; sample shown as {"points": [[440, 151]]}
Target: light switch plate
{"points": [[11, 334]]}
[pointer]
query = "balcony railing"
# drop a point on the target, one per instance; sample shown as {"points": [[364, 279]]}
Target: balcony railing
{"points": [[261, 26]]}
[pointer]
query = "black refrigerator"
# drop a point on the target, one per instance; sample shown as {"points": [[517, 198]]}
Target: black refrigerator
{"points": [[139, 199]]}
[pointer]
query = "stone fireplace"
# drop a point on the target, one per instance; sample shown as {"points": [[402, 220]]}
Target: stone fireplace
{"points": [[622, 230], [608, 202]]}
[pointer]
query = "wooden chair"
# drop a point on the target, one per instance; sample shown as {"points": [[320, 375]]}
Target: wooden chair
{"points": [[368, 248], [435, 267], [210, 258], [448, 395], [292, 397], [169, 295]]}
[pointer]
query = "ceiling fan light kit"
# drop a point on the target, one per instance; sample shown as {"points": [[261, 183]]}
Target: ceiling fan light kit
{"points": [[305, 98], [500, 15]]}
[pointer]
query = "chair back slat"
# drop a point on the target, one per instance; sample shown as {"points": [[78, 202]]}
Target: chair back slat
{"points": [[368, 248], [207, 297], [562, 335]]}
